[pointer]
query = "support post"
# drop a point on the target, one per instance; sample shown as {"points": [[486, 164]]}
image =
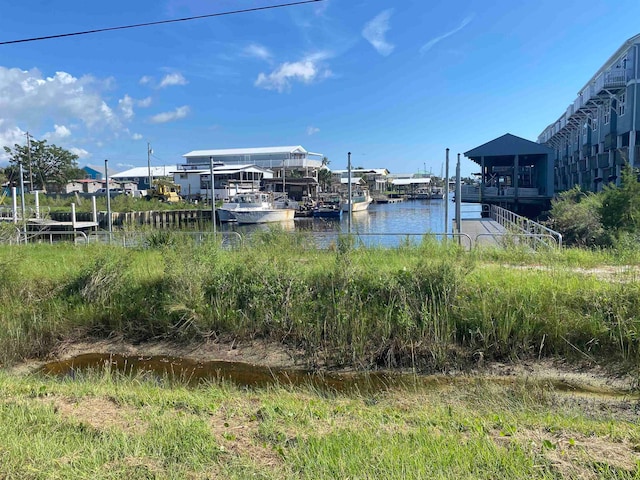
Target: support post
{"points": [[94, 210], [106, 175], [14, 204], [458, 197], [446, 194], [22, 205], [73, 216], [213, 196], [37, 197], [349, 194]]}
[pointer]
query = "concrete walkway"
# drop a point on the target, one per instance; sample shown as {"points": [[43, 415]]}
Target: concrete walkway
{"points": [[483, 231]]}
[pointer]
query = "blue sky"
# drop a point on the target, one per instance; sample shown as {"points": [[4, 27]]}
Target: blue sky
{"points": [[394, 82]]}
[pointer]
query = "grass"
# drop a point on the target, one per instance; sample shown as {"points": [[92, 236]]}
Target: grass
{"points": [[112, 426], [428, 306]]}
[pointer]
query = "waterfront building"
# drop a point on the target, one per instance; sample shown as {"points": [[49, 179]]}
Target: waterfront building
{"points": [[377, 179], [515, 173], [598, 132], [288, 161], [140, 175], [230, 180]]}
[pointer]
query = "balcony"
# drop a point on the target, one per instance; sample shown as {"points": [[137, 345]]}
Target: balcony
{"points": [[603, 160]]}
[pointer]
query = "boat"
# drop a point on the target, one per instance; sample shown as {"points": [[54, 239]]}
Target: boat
{"points": [[437, 193], [258, 208], [360, 200], [328, 212]]}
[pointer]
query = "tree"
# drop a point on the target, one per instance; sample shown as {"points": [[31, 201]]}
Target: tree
{"points": [[324, 175], [46, 164], [621, 205], [576, 215]]}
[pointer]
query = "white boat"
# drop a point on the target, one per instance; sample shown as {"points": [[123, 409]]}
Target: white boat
{"points": [[257, 208], [360, 200]]}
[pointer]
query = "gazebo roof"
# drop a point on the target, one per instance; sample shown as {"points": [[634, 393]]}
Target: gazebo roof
{"points": [[507, 145]]}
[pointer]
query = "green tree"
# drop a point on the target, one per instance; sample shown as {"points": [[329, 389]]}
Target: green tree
{"points": [[47, 164], [324, 175], [577, 216], [620, 209]]}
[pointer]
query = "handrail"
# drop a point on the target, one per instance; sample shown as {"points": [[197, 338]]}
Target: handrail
{"points": [[512, 221]]}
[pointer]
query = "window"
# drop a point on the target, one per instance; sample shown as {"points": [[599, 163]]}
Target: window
{"points": [[607, 113], [594, 124], [621, 103]]}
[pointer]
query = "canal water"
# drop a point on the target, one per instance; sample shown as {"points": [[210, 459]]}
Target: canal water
{"points": [[383, 224]]}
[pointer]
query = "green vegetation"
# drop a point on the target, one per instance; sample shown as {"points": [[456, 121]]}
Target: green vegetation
{"points": [[429, 307], [608, 218], [100, 425]]}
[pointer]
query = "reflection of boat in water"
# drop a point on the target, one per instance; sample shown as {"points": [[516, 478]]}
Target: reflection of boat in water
{"points": [[360, 200], [255, 208]]}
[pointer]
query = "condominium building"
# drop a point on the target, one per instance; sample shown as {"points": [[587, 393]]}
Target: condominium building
{"points": [[598, 133]]}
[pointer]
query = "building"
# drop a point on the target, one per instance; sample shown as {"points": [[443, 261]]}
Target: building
{"points": [[195, 183], [289, 161], [598, 132], [377, 179], [95, 172], [515, 173], [140, 175]]}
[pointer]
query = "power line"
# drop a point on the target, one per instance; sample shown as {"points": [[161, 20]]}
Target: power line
{"points": [[160, 22]]}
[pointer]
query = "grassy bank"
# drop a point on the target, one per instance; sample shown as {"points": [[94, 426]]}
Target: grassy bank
{"points": [[429, 307], [103, 426]]}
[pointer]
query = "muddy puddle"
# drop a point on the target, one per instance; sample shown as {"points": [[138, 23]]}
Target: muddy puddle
{"points": [[192, 372]]}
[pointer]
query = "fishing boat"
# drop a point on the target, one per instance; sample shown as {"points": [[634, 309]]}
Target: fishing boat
{"points": [[258, 208], [360, 200]]}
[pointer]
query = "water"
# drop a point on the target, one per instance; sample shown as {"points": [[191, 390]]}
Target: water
{"points": [[193, 372], [392, 222]]}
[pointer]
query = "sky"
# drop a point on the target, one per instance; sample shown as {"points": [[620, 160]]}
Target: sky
{"points": [[395, 82]]}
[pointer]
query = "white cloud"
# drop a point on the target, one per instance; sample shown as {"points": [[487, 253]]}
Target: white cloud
{"points": [[312, 130], [427, 46], [80, 152], [257, 51], [136, 136], [126, 166], [28, 97], [172, 79], [176, 114], [145, 80], [9, 138], [59, 132], [307, 70], [144, 103], [375, 32], [126, 106]]}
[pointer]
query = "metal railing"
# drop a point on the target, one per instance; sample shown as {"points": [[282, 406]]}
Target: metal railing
{"points": [[519, 225]]}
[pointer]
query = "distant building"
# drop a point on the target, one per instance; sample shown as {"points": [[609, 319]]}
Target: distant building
{"points": [[96, 173], [140, 175], [292, 161], [230, 180], [377, 179], [598, 132]]}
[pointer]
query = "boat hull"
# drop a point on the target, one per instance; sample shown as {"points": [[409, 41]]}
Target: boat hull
{"points": [[356, 206], [262, 215], [332, 213]]}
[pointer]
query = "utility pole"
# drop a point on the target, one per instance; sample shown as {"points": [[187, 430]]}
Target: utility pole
{"points": [[29, 157], [22, 205], [106, 174]]}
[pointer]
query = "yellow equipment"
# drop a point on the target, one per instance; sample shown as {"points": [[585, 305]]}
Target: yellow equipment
{"points": [[164, 191]]}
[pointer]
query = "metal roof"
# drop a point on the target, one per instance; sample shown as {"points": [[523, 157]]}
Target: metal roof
{"points": [[164, 171], [507, 145], [410, 181], [245, 151]]}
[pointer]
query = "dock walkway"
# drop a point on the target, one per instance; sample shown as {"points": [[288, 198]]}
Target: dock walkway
{"points": [[483, 231]]}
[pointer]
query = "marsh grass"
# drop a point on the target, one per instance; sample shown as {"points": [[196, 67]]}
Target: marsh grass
{"points": [[101, 425], [430, 306]]}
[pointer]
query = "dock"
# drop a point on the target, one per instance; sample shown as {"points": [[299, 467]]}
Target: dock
{"points": [[482, 231]]}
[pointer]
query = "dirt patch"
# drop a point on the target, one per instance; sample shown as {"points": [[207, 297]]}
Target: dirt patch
{"points": [[575, 455], [99, 413], [237, 433]]}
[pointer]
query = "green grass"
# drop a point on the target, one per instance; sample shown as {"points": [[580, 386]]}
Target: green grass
{"points": [[105, 426], [429, 306]]}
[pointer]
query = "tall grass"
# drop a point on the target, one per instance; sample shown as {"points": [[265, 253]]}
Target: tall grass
{"points": [[430, 306]]}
